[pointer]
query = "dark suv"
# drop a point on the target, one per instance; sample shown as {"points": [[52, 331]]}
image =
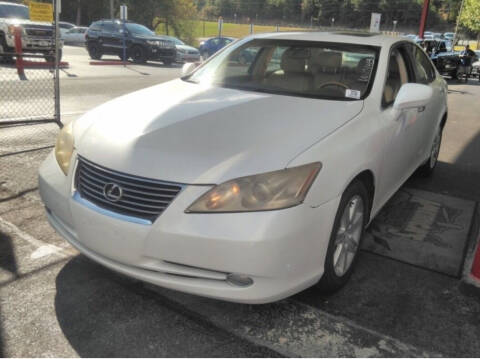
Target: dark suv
{"points": [[106, 37]]}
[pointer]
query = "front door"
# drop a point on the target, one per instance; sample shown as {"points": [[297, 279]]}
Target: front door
{"points": [[400, 128]]}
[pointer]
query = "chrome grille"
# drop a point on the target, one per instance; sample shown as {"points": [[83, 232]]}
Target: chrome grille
{"points": [[141, 197], [46, 32]]}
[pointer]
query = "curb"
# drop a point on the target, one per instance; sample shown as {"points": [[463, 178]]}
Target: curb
{"points": [[61, 65]]}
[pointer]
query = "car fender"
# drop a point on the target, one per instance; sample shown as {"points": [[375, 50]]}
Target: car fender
{"points": [[344, 154]]}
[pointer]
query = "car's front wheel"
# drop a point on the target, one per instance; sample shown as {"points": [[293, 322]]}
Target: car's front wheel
{"points": [[139, 55], [427, 168], [346, 237]]}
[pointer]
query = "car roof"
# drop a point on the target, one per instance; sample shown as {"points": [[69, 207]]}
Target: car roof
{"points": [[11, 3], [348, 37]]}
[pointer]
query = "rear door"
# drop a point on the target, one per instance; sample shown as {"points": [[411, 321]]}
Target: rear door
{"points": [[110, 38]]}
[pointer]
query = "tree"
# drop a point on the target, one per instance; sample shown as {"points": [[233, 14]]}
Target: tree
{"points": [[470, 16]]}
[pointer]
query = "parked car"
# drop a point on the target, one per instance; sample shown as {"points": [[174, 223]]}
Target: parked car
{"points": [[428, 35], [75, 35], [436, 46], [185, 53], [439, 51], [107, 36], [449, 36], [37, 37], [249, 182], [64, 27], [209, 47]]}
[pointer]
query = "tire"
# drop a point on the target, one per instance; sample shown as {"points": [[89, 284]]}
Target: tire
{"points": [[346, 238], [138, 55], [94, 51], [51, 58], [428, 167], [167, 62]]}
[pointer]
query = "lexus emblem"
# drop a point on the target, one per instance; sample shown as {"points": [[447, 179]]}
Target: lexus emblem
{"points": [[113, 192]]}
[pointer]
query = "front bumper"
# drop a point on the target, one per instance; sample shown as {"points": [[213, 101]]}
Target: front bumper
{"points": [[185, 57], [33, 44], [158, 53], [282, 251]]}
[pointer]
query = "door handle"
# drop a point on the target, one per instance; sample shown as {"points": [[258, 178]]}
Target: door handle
{"points": [[421, 108]]}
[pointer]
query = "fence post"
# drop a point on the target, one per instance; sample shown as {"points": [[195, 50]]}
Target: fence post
{"points": [[278, 28], [251, 28], [18, 50]]}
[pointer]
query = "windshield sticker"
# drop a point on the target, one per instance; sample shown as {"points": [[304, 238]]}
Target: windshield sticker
{"points": [[352, 94]]}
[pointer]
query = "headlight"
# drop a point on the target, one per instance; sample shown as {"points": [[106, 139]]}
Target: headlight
{"points": [[64, 147], [262, 192], [153, 43]]}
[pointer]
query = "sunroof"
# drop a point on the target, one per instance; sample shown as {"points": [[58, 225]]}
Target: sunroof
{"points": [[359, 34]]}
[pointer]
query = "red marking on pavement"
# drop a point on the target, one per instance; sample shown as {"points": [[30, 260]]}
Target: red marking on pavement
{"points": [[27, 63], [476, 263], [111, 62]]}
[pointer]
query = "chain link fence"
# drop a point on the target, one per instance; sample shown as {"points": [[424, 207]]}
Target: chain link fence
{"points": [[29, 118]]}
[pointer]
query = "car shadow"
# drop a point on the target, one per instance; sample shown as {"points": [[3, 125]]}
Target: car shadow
{"points": [[7, 255], [104, 314]]}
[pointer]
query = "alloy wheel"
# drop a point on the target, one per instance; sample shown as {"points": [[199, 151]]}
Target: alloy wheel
{"points": [[348, 236]]}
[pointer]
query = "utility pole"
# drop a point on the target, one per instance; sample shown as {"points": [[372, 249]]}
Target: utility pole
{"points": [[423, 20], [112, 13]]}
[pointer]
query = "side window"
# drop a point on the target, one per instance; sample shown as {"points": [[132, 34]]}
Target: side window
{"points": [[425, 73], [276, 59], [397, 75], [108, 27], [96, 26]]}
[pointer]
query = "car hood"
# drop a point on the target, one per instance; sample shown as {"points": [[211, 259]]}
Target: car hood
{"points": [[188, 133], [152, 38], [16, 21], [186, 48]]}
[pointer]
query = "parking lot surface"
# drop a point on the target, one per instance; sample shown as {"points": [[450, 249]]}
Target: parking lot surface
{"points": [[55, 302]]}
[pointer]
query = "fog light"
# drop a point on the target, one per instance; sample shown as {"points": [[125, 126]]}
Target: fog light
{"points": [[239, 280]]}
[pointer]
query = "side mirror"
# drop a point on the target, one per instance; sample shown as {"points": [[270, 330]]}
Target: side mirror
{"points": [[188, 67], [412, 95]]}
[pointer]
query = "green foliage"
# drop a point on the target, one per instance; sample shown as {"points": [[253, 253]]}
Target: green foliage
{"points": [[470, 16], [177, 17]]}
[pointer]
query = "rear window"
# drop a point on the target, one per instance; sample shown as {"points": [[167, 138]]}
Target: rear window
{"points": [[297, 68]]}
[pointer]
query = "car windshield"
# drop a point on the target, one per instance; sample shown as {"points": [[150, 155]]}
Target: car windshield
{"points": [[14, 12], [137, 29], [297, 68]]}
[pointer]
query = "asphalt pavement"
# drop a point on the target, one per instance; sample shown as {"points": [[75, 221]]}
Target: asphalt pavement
{"points": [[56, 302]]}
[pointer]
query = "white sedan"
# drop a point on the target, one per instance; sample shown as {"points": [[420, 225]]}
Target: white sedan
{"points": [[75, 35], [249, 182]]}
